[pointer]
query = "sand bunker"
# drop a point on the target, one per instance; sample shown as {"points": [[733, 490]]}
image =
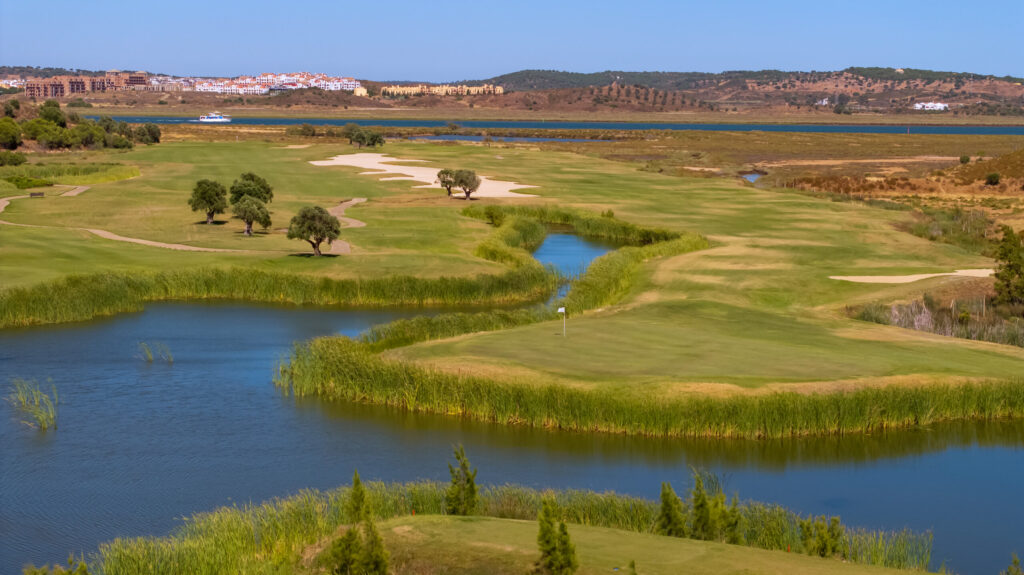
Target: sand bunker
{"points": [[384, 166], [293, 147], [977, 273]]}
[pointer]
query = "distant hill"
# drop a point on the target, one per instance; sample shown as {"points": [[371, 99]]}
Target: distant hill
{"points": [[47, 72], [531, 80]]}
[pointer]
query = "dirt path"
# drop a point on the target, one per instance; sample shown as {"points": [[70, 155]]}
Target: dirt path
{"points": [[338, 211], [975, 273], [383, 166], [75, 191], [4, 202], [836, 162]]}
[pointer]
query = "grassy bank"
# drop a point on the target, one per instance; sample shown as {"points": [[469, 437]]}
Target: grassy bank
{"points": [[256, 538], [341, 369]]}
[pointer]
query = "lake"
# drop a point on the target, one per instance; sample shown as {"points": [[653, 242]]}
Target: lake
{"points": [[559, 125], [140, 444]]}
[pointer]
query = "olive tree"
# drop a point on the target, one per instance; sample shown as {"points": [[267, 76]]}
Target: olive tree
{"points": [[467, 181], [249, 184], [314, 225], [210, 197], [446, 178], [250, 209], [10, 134]]}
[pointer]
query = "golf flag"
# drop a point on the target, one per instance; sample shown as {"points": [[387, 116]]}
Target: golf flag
{"points": [[561, 310]]}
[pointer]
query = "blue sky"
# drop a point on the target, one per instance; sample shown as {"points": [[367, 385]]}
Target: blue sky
{"points": [[443, 40]]}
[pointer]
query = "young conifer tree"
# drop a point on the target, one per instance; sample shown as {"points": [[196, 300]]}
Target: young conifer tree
{"points": [[355, 507], [374, 558], [671, 520], [461, 495]]}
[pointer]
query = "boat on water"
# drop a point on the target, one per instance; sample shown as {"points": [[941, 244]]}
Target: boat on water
{"points": [[215, 118]]}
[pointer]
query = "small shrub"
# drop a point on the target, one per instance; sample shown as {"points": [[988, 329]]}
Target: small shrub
{"points": [[8, 158], [25, 182], [992, 179], [965, 159]]}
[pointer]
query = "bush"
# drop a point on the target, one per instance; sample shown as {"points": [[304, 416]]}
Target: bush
{"points": [[965, 159], [11, 158], [50, 111], [992, 179], [25, 182], [461, 496], [117, 141], [79, 103], [10, 134]]}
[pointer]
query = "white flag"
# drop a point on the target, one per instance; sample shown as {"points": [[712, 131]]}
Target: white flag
{"points": [[561, 310]]}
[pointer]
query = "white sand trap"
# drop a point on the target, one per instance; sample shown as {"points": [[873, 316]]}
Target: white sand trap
{"points": [[293, 147], [384, 166], [978, 273]]}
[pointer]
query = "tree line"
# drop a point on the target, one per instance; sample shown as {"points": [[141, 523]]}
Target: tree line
{"points": [[54, 129]]}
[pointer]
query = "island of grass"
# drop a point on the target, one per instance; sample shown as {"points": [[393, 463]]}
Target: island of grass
{"points": [[744, 335]]}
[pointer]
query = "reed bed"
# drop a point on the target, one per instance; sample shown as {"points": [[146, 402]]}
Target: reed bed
{"points": [[586, 224], [337, 368], [81, 297], [38, 409], [257, 537], [158, 350], [71, 174]]}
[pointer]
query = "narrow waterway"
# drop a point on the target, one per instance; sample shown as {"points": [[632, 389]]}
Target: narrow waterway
{"points": [[140, 444]]}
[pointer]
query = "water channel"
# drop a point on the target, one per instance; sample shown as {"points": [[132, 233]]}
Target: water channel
{"points": [[141, 445], [566, 125]]}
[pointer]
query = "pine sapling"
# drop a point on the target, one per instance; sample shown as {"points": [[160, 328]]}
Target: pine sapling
{"points": [[461, 495], [671, 520]]}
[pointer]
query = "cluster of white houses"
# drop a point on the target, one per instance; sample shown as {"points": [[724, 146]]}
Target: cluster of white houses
{"points": [[933, 106], [266, 83]]}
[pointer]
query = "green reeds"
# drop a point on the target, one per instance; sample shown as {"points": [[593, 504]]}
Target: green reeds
{"points": [[82, 297], [71, 174], [247, 539], [586, 224], [157, 350], [337, 368], [38, 409]]}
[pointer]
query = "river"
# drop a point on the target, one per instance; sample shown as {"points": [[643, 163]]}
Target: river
{"points": [[140, 445], [564, 125]]}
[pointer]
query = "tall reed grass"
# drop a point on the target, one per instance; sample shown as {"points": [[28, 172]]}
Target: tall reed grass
{"points": [[71, 174], [81, 297], [586, 224], [337, 368], [253, 538], [38, 409]]}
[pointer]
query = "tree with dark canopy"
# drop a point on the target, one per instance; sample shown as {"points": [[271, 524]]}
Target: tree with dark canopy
{"points": [[446, 178], [249, 210], [1010, 272], [249, 184], [467, 181], [314, 225], [210, 197]]}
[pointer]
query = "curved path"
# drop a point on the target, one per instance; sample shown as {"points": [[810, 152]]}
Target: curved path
{"points": [[4, 202], [975, 273], [338, 211], [75, 191]]}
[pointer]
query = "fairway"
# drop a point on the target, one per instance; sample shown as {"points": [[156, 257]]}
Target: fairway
{"points": [[755, 309], [466, 545]]}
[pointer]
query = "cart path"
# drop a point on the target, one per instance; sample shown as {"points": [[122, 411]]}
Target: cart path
{"points": [[75, 191], [4, 202], [973, 273], [338, 211]]}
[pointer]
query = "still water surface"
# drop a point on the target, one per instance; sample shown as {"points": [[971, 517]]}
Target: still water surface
{"points": [[141, 445], [557, 125]]}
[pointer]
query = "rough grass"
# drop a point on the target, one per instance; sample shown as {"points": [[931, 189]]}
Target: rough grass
{"points": [[257, 537]]}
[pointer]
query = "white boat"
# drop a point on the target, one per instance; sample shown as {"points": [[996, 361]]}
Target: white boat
{"points": [[215, 118]]}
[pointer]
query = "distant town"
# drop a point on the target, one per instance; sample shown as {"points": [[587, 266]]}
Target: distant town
{"points": [[262, 84]]}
